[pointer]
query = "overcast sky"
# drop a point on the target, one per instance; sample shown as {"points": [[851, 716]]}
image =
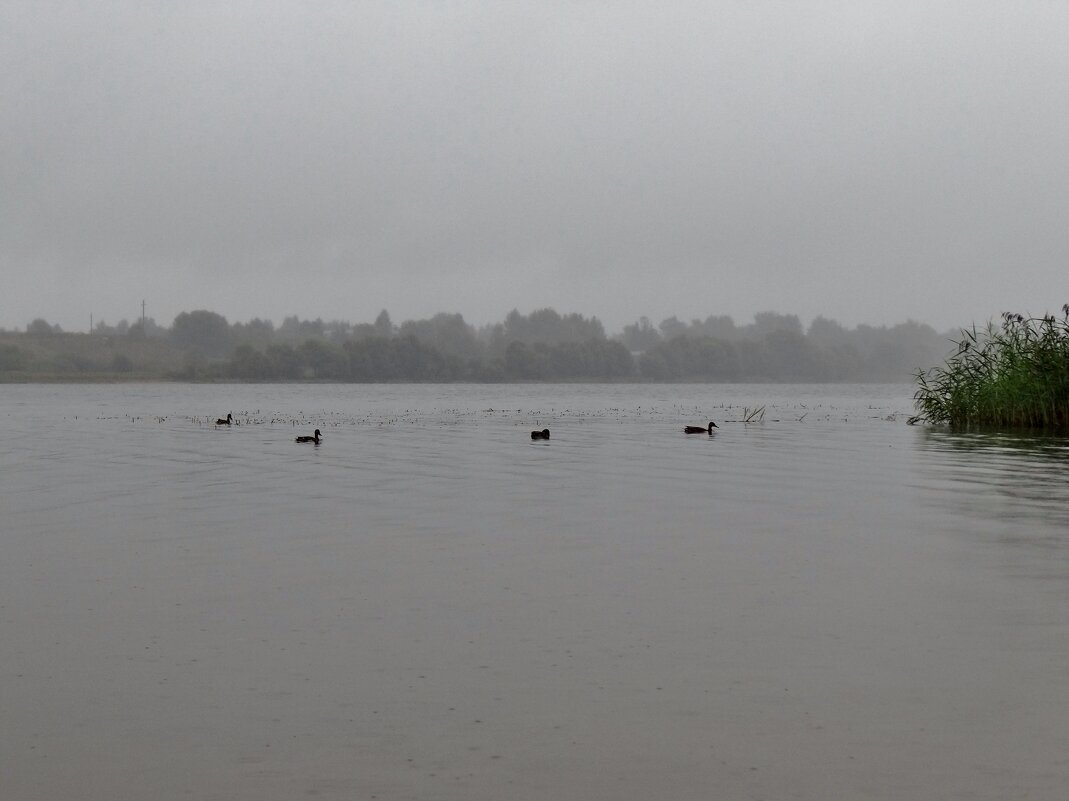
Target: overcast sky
{"points": [[869, 162]]}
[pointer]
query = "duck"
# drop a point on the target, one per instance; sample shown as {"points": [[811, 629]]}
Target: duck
{"points": [[314, 439], [700, 430], [229, 419], [543, 434]]}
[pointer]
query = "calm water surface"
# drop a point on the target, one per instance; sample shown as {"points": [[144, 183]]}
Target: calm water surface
{"points": [[823, 604]]}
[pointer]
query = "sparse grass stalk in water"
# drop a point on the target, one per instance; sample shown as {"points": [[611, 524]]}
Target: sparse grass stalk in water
{"points": [[756, 415], [1014, 375]]}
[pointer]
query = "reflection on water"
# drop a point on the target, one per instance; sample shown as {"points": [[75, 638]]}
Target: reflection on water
{"points": [[429, 604], [1022, 480]]}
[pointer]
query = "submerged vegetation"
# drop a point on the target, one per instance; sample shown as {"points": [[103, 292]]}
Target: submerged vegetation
{"points": [[1014, 375]]}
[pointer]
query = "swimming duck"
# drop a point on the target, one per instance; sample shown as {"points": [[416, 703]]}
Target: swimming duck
{"points": [[700, 430], [314, 439], [229, 419], [543, 434]]}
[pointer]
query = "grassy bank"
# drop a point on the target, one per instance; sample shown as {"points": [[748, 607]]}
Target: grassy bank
{"points": [[1013, 375]]}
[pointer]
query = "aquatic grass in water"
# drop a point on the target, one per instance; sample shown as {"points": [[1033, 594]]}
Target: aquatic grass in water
{"points": [[1014, 375], [753, 415]]}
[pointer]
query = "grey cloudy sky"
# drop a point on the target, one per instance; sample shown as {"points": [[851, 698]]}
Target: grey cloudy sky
{"points": [[870, 162]]}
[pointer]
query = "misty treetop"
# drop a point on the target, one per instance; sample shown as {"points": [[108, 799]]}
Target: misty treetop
{"points": [[543, 345]]}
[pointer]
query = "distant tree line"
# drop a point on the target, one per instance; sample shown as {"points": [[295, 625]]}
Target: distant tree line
{"points": [[776, 347], [541, 346]]}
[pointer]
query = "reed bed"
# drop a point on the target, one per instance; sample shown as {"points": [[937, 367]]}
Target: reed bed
{"points": [[1013, 375]]}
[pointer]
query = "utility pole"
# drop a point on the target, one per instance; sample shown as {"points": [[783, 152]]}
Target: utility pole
{"points": [[90, 322], [142, 315]]}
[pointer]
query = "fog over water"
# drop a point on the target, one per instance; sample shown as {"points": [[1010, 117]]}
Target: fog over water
{"points": [[823, 603], [872, 162]]}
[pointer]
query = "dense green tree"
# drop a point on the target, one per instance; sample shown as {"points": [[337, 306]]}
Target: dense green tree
{"points": [[12, 358], [121, 363], [640, 336], [398, 359], [446, 332], [145, 329], [789, 355], [591, 360], [255, 332], [250, 364], [322, 360], [692, 358], [546, 325], [383, 325], [525, 362], [294, 329], [672, 328], [825, 333], [204, 332], [283, 362], [765, 323], [40, 327], [337, 331], [719, 326], [363, 331]]}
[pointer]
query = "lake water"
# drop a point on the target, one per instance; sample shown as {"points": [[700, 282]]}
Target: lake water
{"points": [[823, 603]]}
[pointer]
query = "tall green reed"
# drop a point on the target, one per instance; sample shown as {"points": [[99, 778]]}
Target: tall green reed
{"points": [[1013, 375]]}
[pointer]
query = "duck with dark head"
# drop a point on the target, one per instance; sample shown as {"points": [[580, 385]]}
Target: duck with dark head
{"points": [[700, 430], [229, 419], [314, 439], [543, 434]]}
